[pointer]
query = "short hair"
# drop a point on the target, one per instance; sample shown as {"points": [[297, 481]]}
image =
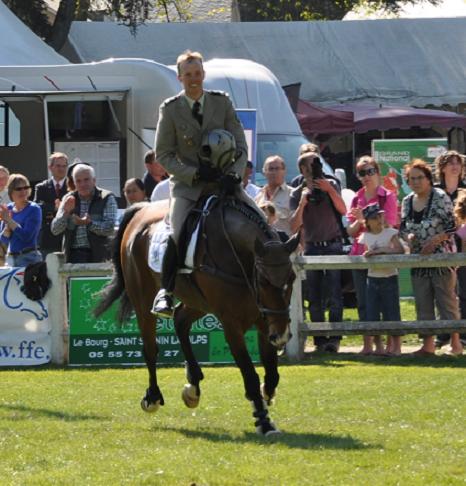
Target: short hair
{"points": [[305, 156], [309, 147], [149, 157], [17, 180], [135, 180], [188, 56], [83, 168], [270, 159], [421, 165], [368, 160], [442, 160], [5, 170], [269, 207], [57, 155]]}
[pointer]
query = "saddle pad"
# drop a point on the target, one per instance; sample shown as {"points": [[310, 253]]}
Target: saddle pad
{"points": [[158, 245]]}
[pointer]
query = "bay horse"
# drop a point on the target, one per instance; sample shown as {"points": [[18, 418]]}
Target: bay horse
{"points": [[242, 274]]}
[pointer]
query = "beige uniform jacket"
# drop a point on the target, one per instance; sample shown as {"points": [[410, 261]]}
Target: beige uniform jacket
{"points": [[179, 137]]}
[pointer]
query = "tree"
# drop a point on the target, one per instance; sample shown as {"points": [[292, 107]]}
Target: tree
{"points": [[263, 10], [131, 13]]}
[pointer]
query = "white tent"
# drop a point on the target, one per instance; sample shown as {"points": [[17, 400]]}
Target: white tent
{"points": [[20, 46], [400, 61]]}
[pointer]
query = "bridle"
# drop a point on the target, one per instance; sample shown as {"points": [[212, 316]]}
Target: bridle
{"points": [[259, 265]]}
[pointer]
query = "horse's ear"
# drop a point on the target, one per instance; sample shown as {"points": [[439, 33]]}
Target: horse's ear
{"points": [[259, 249], [293, 243]]}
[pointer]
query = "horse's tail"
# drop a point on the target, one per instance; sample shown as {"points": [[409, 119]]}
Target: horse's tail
{"points": [[116, 287]]}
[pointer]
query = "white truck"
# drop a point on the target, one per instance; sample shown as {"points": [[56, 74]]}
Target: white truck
{"points": [[105, 113]]}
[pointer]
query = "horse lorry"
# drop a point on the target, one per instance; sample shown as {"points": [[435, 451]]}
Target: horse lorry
{"points": [[105, 113]]}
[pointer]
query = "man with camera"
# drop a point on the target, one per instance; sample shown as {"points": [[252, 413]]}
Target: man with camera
{"points": [[317, 207]]}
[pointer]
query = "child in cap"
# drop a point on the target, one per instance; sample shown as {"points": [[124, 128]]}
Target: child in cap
{"points": [[383, 297]]}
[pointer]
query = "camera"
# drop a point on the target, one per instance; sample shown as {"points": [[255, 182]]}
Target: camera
{"points": [[317, 195], [316, 169]]}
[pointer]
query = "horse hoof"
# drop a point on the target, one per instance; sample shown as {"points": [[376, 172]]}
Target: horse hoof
{"points": [[189, 396], [150, 407], [267, 428], [269, 400]]}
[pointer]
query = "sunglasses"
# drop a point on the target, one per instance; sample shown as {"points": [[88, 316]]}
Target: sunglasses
{"points": [[22, 188], [370, 172]]}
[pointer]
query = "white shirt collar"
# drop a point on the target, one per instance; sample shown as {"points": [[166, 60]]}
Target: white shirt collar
{"points": [[61, 182], [191, 101]]}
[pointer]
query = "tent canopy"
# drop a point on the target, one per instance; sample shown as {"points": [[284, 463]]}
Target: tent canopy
{"points": [[373, 117], [361, 118], [315, 119], [411, 62], [20, 46]]}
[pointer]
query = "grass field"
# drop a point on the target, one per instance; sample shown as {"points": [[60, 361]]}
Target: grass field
{"points": [[345, 421]]}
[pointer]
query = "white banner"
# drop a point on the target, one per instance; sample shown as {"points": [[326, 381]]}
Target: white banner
{"points": [[24, 324]]}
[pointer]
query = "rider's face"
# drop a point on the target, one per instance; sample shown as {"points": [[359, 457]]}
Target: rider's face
{"points": [[192, 77]]}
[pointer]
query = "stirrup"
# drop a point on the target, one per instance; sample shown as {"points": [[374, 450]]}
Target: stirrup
{"points": [[163, 304]]}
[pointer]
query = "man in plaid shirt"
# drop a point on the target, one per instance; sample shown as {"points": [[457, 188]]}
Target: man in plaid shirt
{"points": [[87, 216]]}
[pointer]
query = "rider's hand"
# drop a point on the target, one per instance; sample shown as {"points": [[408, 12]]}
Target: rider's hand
{"points": [[207, 173], [229, 182]]}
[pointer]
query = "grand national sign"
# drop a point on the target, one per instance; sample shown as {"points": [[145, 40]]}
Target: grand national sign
{"points": [[24, 324]]}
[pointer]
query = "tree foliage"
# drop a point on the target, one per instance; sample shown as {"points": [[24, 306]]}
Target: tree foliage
{"points": [[288, 10], [131, 13]]}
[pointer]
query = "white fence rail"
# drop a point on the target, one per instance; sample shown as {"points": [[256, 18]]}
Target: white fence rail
{"points": [[59, 272], [300, 330]]}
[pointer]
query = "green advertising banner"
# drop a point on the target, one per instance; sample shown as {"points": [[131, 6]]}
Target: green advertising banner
{"points": [[392, 155], [102, 341]]}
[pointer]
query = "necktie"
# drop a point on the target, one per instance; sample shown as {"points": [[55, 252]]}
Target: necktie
{"points": [[57, 189], [196, 112]]}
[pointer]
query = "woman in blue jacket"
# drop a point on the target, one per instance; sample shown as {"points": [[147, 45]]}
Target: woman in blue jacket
{"points": [[20, 223]]}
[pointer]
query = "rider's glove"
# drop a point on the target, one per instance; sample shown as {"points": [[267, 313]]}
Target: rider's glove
{"points": [[229, 182], [207, 173]]}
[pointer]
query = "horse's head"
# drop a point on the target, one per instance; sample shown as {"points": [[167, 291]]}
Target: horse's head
{"points": [[274, 278]]}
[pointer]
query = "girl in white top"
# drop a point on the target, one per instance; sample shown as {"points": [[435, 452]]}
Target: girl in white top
{"points": [[383, 296]]}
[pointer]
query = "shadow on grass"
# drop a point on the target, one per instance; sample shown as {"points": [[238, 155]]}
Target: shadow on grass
{"points": [[28, 413], [341, 359], [289, 439]]}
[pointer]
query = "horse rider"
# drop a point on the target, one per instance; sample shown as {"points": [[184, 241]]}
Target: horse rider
{"points": [[183, 122]]}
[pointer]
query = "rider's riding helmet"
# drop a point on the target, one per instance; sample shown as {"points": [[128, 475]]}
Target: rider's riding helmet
{"points": [[218, 148]]}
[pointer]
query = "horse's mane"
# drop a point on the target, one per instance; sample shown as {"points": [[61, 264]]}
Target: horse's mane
{"points": [[251, 214]]}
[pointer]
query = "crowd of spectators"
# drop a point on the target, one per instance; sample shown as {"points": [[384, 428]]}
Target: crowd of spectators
{"points": [[71, 213]]}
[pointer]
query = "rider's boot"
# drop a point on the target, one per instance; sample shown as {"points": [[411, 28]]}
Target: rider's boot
{"points": [[163, 302]]}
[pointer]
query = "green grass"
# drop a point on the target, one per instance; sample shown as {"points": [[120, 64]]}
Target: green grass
{"points": [[345, 421]]}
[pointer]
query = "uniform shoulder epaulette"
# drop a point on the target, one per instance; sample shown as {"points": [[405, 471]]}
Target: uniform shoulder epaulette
{"points": [[170, 100], [217, 92]]}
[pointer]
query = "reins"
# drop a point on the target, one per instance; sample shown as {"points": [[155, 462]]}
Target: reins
{"points": [[254, 287]]}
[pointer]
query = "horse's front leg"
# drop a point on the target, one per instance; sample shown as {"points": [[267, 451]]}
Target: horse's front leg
{"points": [[235, 339], [184, 317], [269, 358]]}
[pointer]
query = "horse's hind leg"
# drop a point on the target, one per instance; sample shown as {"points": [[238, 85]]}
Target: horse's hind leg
{"points": [[263, 423], [184, 317], [269, 358], [153, 398]]}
